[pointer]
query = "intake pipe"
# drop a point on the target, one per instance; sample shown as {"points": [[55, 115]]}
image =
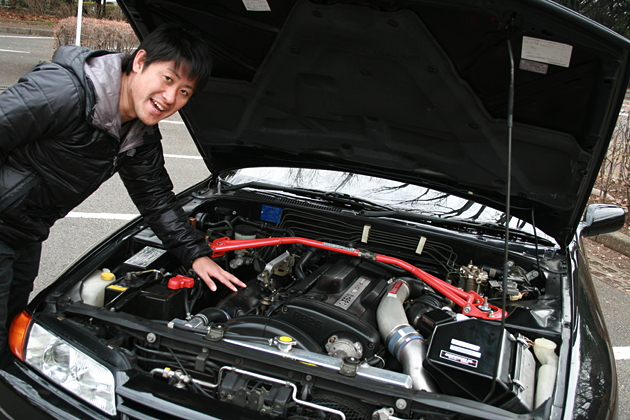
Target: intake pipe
{"points": [[401, 339]]}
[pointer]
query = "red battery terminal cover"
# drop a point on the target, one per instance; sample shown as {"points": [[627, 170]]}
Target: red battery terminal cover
{"points": [[180, 282]]}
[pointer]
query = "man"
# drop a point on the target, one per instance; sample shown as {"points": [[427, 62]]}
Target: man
{"points": [[69, 125]]}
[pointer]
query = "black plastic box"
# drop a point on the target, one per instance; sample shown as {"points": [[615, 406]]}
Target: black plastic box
{"points": [[156, 301], [461, 358]]}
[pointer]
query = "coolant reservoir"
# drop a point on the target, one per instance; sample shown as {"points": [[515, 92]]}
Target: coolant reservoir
{"points": [[545, 353], [93, 289]]}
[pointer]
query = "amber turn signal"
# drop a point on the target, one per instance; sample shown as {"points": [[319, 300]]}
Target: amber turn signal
{"points": [[17, 334]]}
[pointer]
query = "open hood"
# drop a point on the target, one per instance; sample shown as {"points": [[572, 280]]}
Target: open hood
{"points": [[415, 91]]}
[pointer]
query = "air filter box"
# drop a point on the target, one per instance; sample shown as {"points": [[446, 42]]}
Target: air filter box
{"points": [[461, 358]]}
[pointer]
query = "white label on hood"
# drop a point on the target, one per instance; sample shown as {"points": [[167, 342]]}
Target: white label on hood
{"points": [[544, 51], [257, 5], [534, 66]]}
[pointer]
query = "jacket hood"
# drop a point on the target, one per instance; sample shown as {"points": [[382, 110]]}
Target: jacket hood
{"points": [[74, 58], [415, 91], [104, 72], [100, 73]]}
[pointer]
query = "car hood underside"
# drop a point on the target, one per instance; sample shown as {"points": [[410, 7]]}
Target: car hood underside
{"points": [[413, 91]]}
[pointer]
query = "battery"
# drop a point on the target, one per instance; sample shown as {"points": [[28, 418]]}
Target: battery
{"points": [[155, 301], [160, 302]]}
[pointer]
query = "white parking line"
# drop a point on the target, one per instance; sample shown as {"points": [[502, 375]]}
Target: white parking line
{"points": [[108, 216], [182, 156], [621, 353], [120, 216], [15, 51], [26, 37]]}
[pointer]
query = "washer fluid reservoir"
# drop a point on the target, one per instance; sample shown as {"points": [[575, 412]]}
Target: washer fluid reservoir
{"points": [[93, 288]]}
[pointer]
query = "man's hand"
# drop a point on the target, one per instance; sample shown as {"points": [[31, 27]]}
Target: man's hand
{"points": [[208, 269]]}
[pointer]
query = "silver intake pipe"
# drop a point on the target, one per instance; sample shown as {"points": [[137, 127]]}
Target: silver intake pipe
{"points": [[401, 339]]}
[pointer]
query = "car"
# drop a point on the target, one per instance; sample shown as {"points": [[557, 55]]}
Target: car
{"points": [[404, 188]]}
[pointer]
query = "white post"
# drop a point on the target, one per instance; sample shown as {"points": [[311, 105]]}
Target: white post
{"points": [[79, 18]]}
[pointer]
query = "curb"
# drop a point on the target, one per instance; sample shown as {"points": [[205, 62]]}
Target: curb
{"points": [[27, 30], [616, 241]]}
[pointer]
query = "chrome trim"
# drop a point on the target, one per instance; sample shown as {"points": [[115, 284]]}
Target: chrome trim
{"points": [[324, 361]]}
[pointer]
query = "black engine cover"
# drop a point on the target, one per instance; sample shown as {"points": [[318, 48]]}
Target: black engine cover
{"points": [[342, 302]]}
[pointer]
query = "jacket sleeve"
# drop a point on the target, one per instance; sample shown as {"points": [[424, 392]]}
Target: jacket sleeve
{"points": [[151, 190], [44, 103]]}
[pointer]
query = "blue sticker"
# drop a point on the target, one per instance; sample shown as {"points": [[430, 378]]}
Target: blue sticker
{"points": [[270, 214]]}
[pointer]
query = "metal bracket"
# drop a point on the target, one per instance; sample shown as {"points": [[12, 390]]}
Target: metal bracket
{"points": [[350, 366], [216, 333], [200, 360]]}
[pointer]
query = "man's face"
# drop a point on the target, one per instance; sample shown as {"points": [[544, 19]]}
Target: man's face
{"points": [[155, 91]]}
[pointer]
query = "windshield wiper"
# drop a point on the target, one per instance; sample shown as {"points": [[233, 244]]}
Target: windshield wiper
{"points": [[354, 203]]}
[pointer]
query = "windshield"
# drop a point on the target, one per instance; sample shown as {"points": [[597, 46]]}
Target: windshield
{"points": [[391, 194]]}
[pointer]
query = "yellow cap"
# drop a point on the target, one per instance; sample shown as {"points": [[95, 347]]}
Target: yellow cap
{"points": [[107, 276], [285, 339]]}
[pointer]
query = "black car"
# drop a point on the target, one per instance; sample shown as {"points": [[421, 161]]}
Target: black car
{"points": [[403, 185]]}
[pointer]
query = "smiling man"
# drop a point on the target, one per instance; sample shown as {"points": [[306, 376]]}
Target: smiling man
{"points": [[69, 125]]}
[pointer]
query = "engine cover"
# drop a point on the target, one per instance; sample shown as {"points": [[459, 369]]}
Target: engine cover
{"points": [[341, 302]]}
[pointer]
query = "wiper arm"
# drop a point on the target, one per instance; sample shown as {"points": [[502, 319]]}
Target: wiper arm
{"points": [[272, 187], [346, 198], [335, 198]]}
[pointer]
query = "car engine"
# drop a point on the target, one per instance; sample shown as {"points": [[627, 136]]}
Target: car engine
{"points": [[315, 304]]}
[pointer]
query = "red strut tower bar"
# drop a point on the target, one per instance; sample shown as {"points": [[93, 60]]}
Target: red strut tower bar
{"points": [[472, 304]]}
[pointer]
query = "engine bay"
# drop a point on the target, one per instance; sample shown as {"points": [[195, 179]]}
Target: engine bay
{"points": [[320, 332]]}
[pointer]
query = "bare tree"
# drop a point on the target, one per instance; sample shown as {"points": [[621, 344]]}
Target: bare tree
{"points": [[614, 14], [613, 180]]}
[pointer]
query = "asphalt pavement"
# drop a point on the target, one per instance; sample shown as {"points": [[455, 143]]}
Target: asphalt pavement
{"points": [[18, 53]]}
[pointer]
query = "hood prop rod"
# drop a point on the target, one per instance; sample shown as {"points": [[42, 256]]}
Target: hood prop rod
{"points": [[510, 124], [472, 304]]}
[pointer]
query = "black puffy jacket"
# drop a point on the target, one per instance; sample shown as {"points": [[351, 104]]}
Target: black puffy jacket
{"points": [[59, 141]]}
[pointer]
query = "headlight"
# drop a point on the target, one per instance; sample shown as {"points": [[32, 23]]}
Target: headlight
{"points": [[71, 369]]}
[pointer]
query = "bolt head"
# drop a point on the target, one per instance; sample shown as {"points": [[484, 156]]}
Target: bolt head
{"points": [[401, 404]]}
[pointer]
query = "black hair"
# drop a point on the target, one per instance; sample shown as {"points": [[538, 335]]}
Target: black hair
{"points": [[184, 46]]}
